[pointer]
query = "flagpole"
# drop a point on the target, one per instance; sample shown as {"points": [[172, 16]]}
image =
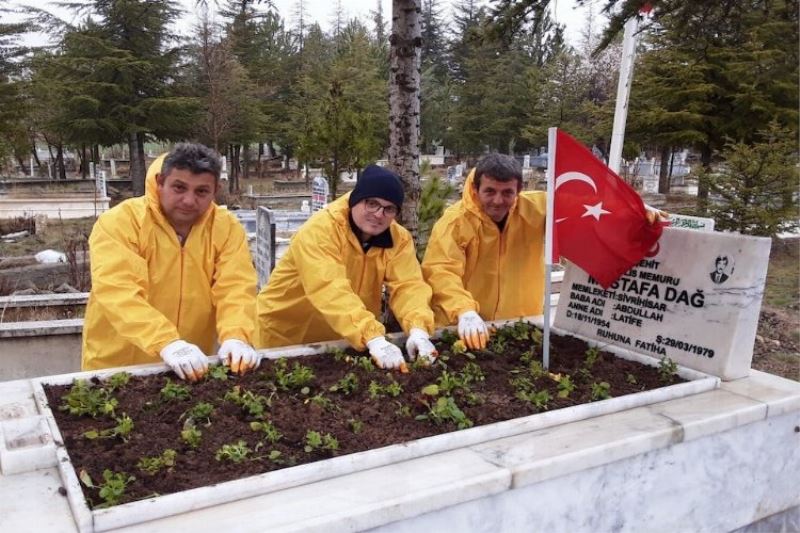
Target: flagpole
{"points": [[623, 93], [548, 242]]}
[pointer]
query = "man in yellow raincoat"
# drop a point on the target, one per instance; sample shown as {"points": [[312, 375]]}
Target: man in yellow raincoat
{"points": [[485, 256], [171, 274], [329, 284]]}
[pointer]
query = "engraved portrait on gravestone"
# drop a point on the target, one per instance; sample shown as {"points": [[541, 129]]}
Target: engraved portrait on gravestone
{"points": [[723, 268]]}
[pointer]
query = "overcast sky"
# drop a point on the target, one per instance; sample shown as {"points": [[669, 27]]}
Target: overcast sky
{"points": [[566, 12]]}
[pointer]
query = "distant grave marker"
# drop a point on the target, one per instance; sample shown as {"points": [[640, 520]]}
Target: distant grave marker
{"points": [[320, 193]]}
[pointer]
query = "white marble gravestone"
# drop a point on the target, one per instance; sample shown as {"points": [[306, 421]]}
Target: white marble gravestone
{"points": [[320, 194], [696, 301], [686, 221], [265, 244]]}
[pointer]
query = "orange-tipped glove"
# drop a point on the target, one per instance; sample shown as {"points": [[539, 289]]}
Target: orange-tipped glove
{"points": [[419, 343], [472, 330], [384, 353], [238, 355], [185, 359]]}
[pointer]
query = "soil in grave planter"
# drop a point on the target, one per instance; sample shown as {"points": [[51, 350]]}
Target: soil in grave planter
{"points": [[134, 437]]}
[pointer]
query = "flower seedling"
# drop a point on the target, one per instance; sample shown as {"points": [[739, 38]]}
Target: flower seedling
{"points": [[152, 465], [458, 347], [347, 385], [117, 381], [85, 399], [356, 425], [318, 441], [365, 364], [235, 453], [122, 430], [269, 430], [445, 409], [592, 353], [450, 337], [321, 401], [565, 387], [218, 372], [191, 435], [299, 377], [112, 489], [601, 391], [376, 390], [630, 378], [667, 368], [201, 412], [174, 392], [252, 404]]}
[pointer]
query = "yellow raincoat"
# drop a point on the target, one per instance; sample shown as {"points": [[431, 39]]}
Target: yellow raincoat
{"points": [[473, 266], [327, 288], [148, 291]]}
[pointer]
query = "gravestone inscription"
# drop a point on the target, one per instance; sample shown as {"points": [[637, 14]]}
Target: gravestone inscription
{"points": [[696, 300]]}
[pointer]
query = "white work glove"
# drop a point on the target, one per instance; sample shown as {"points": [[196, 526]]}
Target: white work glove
{"points": [[186, 360], [472, 330], [384, 353], [419, 343], [238, 355]]}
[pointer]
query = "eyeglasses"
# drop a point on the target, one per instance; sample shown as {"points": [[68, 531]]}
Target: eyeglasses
{"points": [[371, 205]]}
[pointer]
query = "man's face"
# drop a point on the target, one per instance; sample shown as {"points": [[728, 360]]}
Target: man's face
{"points": [[373, 215], [185, 196], [721, 264], [497, 197]]}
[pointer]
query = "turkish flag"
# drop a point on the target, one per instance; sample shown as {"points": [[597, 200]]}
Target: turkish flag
{"points": [[599, 220]]}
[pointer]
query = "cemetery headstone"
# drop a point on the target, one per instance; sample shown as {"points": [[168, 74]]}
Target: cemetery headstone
{"points": [[100, 184], [320, 193], [265, 244], [696, 301], [113, 169], [526, 161], [686, 221], [224, 172]]}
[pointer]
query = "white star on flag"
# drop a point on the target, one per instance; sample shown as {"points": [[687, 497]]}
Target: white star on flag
{"points": [[595, 211]]}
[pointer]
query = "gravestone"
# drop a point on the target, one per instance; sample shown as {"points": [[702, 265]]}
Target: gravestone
{"points": [[526, 161], [113, 169], [689, 222], [696, 301], [265, 244], [320, 194], [224, 170], [100, 184]]}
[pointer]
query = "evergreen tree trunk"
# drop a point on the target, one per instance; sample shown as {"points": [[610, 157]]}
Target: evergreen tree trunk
{"points": [[404, 104], [246, 158], [137, 162], [702, 182], [61, 170], [663, 171], [84, 163]]}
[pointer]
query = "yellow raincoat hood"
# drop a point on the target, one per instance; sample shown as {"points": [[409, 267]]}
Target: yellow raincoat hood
{"points": [[473, 266], [148, 290], [327, 288]]}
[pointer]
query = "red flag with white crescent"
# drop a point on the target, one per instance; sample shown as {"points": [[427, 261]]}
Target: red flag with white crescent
{"points": [[599, 220]]}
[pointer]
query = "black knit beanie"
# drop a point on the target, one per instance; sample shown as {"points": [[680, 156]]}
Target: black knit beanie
{"points": [[378, 182]]}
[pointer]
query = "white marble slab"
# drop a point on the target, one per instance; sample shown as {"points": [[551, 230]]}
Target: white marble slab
{"points": [[712, 484], [779, 394], [676, 304], [561, 450], [352, 503], [710, 413]]}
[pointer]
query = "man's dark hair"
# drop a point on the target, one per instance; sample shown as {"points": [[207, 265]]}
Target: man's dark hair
{"points": [[500, 167], [194, 157]]}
